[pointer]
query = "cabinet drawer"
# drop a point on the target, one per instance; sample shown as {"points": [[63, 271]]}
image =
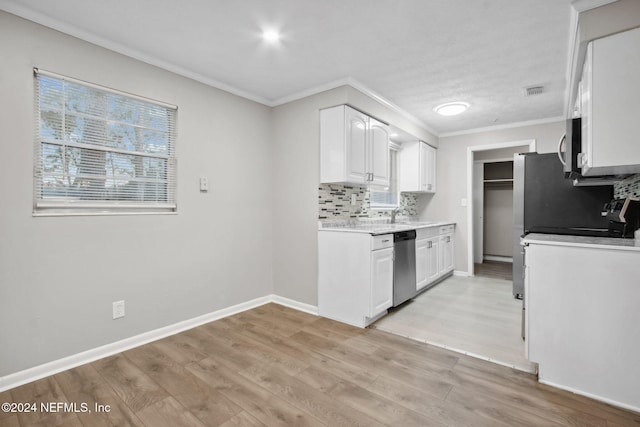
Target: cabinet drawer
{"points": [[426, 232], [446, 229], [382, 241]]}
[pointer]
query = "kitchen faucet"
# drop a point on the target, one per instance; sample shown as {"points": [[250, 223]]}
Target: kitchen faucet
{"points": [[394, 212]]}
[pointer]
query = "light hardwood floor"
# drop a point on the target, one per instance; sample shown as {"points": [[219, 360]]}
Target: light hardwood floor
{"points": [[472, 315], [275, 366], [495, 269]]}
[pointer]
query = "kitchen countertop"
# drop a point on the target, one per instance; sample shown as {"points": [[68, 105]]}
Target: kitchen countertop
{"points": [[583, 241], [376, 228]]}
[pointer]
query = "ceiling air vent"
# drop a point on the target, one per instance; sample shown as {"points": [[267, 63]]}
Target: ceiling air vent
{"points": [[533, 90]]}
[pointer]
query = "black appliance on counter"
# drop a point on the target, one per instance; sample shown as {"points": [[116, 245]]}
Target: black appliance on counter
{"points": [[624, 217], [545, 202]]}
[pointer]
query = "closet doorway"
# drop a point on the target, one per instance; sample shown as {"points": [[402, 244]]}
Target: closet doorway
{"points": [[493, 249], [490, 191]]}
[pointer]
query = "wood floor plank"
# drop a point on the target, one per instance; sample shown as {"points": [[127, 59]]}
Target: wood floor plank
{"points": [[5, 397], [85, 384], [10, 420], [297, 316], [255, 400], [264, 353], [129, 382], [181, 349], [243, 419], [44, 391], [326, 408], [218, 344], [207, 404], [381, 408], [271, 320], [168, 412]]}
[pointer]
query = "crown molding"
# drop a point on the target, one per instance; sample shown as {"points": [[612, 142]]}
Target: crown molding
{"points": [[504, 126], [582, 5], [88, 36]]}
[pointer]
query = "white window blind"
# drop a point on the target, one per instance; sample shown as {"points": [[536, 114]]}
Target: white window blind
{"points": [[102, 151]]}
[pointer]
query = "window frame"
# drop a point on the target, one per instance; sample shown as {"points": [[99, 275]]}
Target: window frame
{"points": [[116, 200], [392, 182]]}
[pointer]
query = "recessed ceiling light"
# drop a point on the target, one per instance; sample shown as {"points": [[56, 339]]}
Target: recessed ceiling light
{"points": [[451, 108], [271, 36]]}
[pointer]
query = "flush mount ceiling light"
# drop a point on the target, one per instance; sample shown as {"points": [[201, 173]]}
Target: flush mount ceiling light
{"points": [[451, 108], [271, 36]]}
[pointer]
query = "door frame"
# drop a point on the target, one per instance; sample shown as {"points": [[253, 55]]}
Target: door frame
{"points": [[470, 210]]}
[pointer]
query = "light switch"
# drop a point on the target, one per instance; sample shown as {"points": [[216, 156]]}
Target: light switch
{"points": [[463, 202], [354, 199], [204, 184]]}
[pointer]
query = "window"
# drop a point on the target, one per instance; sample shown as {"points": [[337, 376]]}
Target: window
{"points": [[387, 197], [98, 150]]}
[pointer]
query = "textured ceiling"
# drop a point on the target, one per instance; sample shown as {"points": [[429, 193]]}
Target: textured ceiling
{"points": [[414, 53]]}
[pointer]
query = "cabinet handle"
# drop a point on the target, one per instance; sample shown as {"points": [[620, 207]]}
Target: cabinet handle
{"points": [[385, 241]]}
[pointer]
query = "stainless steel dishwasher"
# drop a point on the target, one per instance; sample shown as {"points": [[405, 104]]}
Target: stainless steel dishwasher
{"points": [[404, 266]]}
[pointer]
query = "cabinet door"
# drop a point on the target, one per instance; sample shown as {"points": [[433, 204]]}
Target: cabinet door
{"points": [[446, 253], [422, 263], [356, 145], [611, 89], [431, 167], [378, 153], [433, 259], [427, 168], [424, 165], [381, 281]]}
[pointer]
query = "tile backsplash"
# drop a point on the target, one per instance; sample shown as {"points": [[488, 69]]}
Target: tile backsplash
{"points": [[334, 202], [629, 187]]}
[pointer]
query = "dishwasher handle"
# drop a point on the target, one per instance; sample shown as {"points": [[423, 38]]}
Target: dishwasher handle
{"points": [[404, 235]]}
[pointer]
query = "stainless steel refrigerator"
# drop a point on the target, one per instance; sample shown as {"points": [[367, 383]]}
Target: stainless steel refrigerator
{"points": [[545, 202]]}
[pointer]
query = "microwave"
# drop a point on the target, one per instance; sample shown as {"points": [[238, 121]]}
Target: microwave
{"points": [[571, 142]]}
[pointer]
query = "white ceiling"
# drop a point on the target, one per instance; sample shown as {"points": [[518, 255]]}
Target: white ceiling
{"points": [[416, 54]]}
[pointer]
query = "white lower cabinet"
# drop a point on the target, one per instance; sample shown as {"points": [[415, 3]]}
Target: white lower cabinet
{"points": [[582, 319], [434, 254], [355, 276], [446, 253], [381, 276]]}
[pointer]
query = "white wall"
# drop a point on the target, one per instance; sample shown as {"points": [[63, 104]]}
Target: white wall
{"points": [[498, 220], [59, 275], [452, 174]]}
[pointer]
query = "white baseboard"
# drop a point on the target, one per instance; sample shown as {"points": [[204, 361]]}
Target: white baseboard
{"points": [[50, 368], [296, 305], [592, 396], [498, 258], [461, 273]]}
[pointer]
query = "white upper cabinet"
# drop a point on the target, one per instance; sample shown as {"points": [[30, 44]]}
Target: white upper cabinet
{"points": [[610, 90], [417, 167], [354, 148]]}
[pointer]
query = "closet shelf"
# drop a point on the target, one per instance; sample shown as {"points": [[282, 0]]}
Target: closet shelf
{"points": [[498, 180]]}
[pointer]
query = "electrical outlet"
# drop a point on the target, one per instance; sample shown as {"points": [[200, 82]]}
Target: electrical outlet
{"points": [[204, 184], [118, 309]]}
